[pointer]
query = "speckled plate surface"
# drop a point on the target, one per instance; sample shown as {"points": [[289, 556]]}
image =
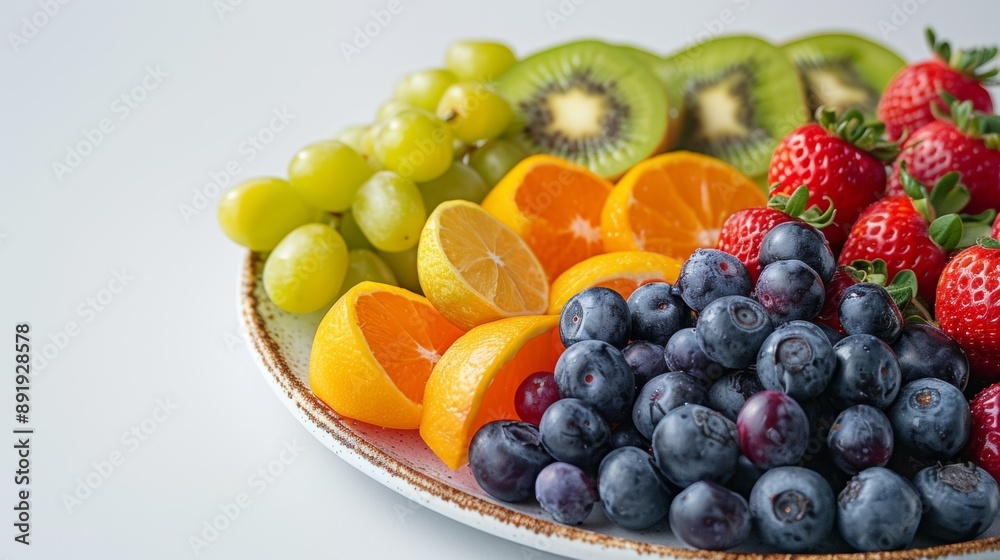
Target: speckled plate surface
{"points": [[280, 343]]}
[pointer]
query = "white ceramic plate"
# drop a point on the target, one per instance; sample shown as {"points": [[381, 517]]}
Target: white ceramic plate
{"points": [[280, 343]]}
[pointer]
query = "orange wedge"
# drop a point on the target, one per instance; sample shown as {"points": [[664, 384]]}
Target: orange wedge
{"points": [[675, 203], [373, 352], [475, 380], [474, 269], [623, 272], [555, 206]]}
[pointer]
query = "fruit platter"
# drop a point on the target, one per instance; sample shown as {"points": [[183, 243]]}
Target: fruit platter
{"points": [[609, 303]]}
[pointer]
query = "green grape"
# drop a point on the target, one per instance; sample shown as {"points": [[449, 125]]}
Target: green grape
{"points": [[482, 61], [259, 212], [327, 174], [474, 112], [389, 211], [353, 236], [352, 136], [404, 266], [495, 158], [415, 144], [390, 109], [460, 182], [305, 271], [368, 141], [423, 89], [364, 265], [459, 149]]}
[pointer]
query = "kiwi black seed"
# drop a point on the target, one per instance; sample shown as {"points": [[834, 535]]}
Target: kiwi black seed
{"points": [[741, 96], [843, 71], [588, 102]]}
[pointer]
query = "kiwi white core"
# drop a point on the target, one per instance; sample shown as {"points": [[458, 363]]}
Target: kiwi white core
{"points": [[576, 113], [719, 110], [832, 90]]}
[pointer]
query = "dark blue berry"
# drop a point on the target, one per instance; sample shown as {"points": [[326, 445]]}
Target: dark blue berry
{"points": [[931, 418], [796, 359], [657, 312], [709, 274], [596, 372], [596, 313], [662, 394], [572, 431], [866, 372], [798, 241], [860, 438], [745, 477], [832, 335], [708, 516], [878, 510], [732, 329], [682, 353], [694, 443], [792, 509], [728, 394], [565, 492], [790, 291], [773, 430], [625, 434], [960, 501], [924, 351], [646, 361], [632, 490], [505, 458], [867, 308]]}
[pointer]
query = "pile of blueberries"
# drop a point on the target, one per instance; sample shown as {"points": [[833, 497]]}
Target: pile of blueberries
{"points": [[719, 405]]}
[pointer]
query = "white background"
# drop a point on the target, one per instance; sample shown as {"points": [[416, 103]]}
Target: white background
{"points": [[172, 332]]}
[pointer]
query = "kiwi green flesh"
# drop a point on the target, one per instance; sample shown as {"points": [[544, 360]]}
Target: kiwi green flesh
{"points": [[843, 71], [675, 97], [741, 96], [588, 102]]}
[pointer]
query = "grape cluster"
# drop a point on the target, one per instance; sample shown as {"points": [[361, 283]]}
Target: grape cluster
{"points": [[720, 406], [353, 206]]}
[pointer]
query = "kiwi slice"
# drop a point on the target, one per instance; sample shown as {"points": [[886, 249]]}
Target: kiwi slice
{"points": [[741, 96], [675, 97], [588, 102], [843, 71]]}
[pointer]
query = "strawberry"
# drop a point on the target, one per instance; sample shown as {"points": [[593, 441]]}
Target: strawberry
{"points": [[842, 279], [983, 447], [916, 231], [968, 143], [995, 232], [968, 306], [902, 289], [840, 159], [743, 231], [908, 100]]}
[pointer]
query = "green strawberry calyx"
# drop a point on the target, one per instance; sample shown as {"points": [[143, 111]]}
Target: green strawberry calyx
{"points": [[852, 127], [987, 242], [902, 287], [967, 120], [967, 61], [795, 206], [940, 206]]}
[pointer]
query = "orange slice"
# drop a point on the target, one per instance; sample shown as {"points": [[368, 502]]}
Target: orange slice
{"points": [[623, 272], [555, 206], [675, 203], [475, 380], [373, 352], [474, 269]]}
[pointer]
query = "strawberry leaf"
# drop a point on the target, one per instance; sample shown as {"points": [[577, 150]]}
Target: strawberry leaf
{"points": [[988, 243], [903, 288], [949, 196], [946, 231], [796, 204]]}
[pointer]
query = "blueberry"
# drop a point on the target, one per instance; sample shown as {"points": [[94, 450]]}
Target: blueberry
{"points": [[773, 430], [960, 501], [792, 509], [709, 274], [596, 313], [662, 394], [728, 394], [694, 443], [625, 434], [860, 438], [632, 490], [867, 308], [745, 476], [796, 359], [798, 241], [732, 329], [596, 372], [931, 418], [682, 353], [834, 336], [708, 516], [866, 372], [924, 351], [790, 291], [505, 457], [657, 312], [572, 431], [565, 492], [646, 361], [878, 510]]}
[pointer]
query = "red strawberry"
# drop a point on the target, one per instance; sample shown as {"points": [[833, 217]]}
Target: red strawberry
{"points": [[906, 104], [842, 279], [743, 231], [968, 306], [970, 145], [915, 231], [983, 447], [995, 233], [843, 160]]}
